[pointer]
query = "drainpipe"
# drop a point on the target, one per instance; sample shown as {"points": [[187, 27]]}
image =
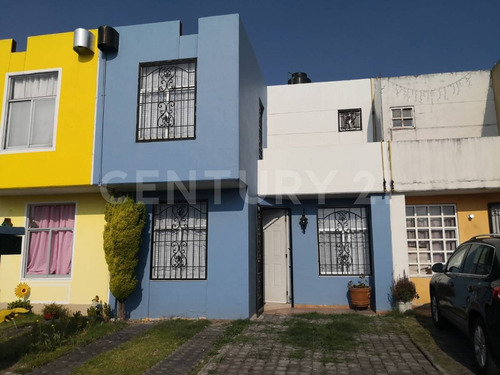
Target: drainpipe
{"points": [[390, 166], [384, 182]]}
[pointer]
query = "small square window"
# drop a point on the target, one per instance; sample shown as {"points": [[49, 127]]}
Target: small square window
{"points": [[403, 117], [31, 111], [349, 120], [166, 102]]}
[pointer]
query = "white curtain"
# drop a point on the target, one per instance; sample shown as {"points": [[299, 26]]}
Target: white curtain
{"points": [[166, 107], [31, 110], [179, 241]]}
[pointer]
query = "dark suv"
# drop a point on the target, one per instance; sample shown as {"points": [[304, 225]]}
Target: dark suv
{"points": [[466, 293]]}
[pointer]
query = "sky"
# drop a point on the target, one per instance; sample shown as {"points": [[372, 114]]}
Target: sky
{"points": [[330, 40]]}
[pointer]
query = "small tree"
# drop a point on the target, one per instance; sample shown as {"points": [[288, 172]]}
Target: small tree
{"points": [[125, 220]]}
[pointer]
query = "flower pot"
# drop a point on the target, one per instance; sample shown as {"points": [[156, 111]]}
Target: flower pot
{"points": [[404, 306], [49, 316], [360, 297]]}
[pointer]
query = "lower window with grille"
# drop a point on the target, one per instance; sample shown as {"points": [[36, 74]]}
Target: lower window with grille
{"points": [[179, 241], [343, 241]]}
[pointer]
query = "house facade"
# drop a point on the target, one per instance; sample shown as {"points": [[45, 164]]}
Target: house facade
{"points": [[46, 162], [322, 164], [180, 131], [445, 165]]}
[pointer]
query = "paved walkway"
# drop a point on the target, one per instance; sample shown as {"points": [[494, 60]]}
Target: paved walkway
{"points": [[185, 358], [259, 351]]}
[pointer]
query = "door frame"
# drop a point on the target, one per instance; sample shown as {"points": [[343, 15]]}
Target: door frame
{"points": [[288, 218]]}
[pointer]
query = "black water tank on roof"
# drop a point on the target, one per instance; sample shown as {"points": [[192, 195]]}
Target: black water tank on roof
{"points": [[299, 77]]}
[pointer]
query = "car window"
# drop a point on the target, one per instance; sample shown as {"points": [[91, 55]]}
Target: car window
{"points": [[455, 262], [485, 261], [472, 258]]}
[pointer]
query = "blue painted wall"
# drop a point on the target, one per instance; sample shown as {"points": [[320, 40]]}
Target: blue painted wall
{"points": [[225, 292], [216, 146], [312, 289], [382, 250]]}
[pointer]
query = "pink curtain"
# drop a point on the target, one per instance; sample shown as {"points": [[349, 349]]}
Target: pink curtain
{"points": [[51, 217]]}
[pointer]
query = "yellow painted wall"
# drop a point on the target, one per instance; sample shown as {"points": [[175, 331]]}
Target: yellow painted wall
{"points": [[70, 164], [476, 204], [89, 276]]}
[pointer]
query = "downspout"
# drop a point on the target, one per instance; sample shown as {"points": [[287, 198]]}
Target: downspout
{"points": [[103, 94], [390, 166], [384, 182]]}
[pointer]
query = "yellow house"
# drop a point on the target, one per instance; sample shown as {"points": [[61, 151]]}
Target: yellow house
{"points": [[47, 127]]}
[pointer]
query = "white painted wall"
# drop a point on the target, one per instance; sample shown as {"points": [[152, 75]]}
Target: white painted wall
{"points": [[447, 105], [398, 235], [312, 170], [307, 114], [446, 164], [306, 154]]}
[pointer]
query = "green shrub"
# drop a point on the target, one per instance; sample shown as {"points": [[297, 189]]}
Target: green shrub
{"points": [[122, 238], [404, 289], [20, 303], [58, 311]]}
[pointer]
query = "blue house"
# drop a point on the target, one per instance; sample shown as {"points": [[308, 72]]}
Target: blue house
{"points": [[179, 124]]}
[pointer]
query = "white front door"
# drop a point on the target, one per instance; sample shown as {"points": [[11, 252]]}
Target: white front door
{"points": [[275, 256]]}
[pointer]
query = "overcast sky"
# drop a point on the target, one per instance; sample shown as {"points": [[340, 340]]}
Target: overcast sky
{"points": [[328, 39]]}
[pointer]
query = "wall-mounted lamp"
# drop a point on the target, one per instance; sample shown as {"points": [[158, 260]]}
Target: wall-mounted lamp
{"points": [[470, 217], [303, 221]]}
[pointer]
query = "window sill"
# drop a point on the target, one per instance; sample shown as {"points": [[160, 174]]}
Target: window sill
{"points": [[26, 150]]}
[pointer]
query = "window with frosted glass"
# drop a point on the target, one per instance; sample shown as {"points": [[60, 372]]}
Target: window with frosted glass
{"points": [[31, 104], [432, 236], [166, 102]]}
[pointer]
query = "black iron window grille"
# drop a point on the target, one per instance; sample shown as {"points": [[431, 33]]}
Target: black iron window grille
{"points": [[167, 97], [343, 241], [349, 120], [261, 114], [179, 242]]}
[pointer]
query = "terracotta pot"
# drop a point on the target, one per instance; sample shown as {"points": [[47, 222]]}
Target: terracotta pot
{"points": [[49, 316], [360, 297]]}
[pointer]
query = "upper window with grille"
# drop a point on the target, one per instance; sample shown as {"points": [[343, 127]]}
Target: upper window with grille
{"points": [[403, 117], [167, 97], [343, 241], [30, 111], [349, 120]]}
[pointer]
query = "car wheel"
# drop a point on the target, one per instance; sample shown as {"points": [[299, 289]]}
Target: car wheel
{"points": [[437, 318], [482, 353]]}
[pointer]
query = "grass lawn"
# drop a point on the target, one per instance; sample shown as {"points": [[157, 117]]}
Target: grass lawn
{"points": [[142, 352], [18, 354]]}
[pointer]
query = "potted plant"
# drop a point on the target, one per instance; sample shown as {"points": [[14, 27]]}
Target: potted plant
{"points": [[404, 292], [54, 311], [359, 293]]}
